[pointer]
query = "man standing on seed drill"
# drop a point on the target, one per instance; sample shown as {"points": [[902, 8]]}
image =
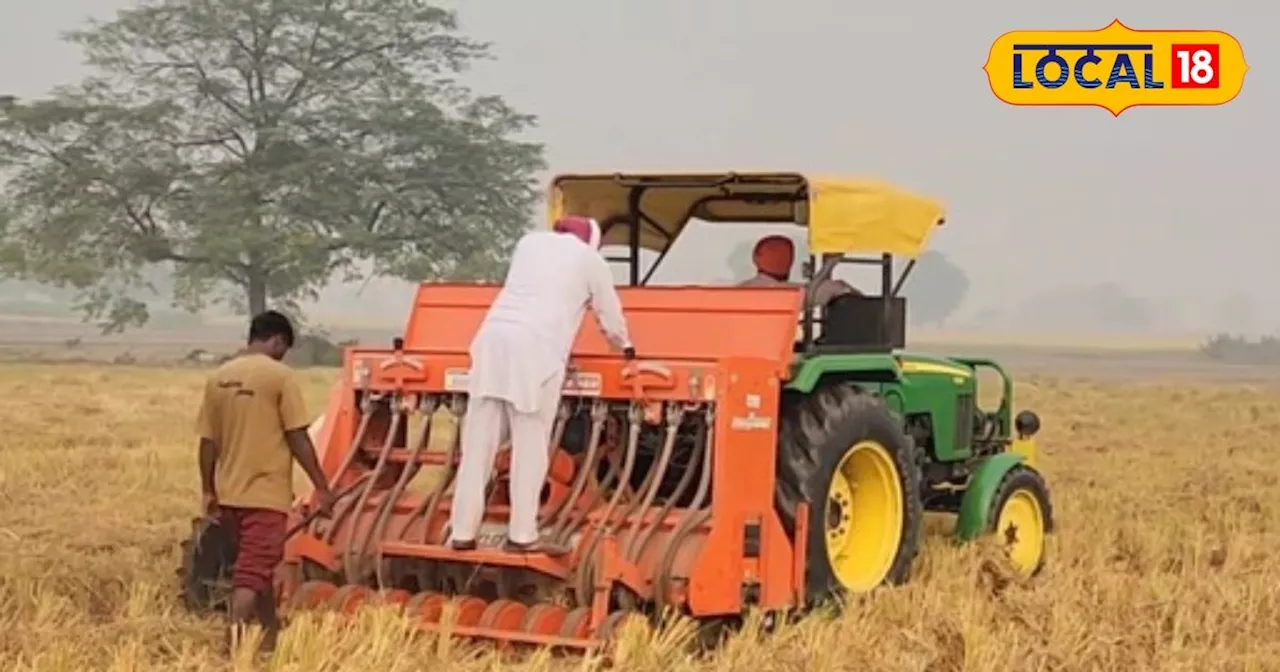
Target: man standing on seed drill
{"points": [[518, 361], [252, 425]]}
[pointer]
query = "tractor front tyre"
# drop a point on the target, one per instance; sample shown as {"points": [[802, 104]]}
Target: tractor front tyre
{"points": [[845, 454], [1021, 519]]}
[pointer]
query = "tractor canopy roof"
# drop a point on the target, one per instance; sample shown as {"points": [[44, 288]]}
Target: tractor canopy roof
{"points": [[844, 216]]}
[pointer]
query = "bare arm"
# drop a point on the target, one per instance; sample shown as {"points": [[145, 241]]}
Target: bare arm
{"points": [[293, 419], [606, 305], [206, 424], [830, 290], [305, 453], [208, 466]]}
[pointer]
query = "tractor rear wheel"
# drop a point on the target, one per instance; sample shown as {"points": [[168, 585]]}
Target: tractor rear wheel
{"points": [[845, 454], [1021, 519]]}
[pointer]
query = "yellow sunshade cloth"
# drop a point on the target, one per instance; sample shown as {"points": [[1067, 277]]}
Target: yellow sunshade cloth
{"points": [[869, 217], [845, 215]]}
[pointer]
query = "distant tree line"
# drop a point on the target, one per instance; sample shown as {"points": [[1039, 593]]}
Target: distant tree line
{"points": [[1234, 349]]}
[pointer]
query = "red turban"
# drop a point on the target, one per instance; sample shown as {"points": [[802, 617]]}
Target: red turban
{"points": [[773, 255]]}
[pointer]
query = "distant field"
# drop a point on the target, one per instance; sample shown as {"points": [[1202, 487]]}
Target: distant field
{"points": [[1023, 353], [1060, 341]]}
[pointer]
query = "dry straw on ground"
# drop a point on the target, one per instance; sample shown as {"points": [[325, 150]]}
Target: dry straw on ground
{"points": [[1167, 557]]}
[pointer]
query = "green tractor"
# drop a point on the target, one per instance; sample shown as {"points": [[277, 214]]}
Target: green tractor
{"points": [[871, 436]]}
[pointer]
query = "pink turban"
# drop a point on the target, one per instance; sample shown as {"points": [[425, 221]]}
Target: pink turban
{"points": [[584, 228]]}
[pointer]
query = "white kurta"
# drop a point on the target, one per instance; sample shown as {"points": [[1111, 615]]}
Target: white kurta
{"points": [[518, 360]]}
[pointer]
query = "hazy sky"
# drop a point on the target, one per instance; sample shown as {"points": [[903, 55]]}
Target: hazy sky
{"points": [[1170, 202]]}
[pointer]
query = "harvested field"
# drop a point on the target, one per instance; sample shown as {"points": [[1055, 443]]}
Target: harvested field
{"points": [[1167, 557]]}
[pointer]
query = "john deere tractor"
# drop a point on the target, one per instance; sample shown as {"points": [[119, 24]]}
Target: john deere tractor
{"points": [[871, 436]]}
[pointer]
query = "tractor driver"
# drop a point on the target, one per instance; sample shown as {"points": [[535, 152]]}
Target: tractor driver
{"points": [[774, 256]]}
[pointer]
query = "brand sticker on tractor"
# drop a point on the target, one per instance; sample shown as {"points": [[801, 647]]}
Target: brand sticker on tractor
{"points": [[751, 423]]}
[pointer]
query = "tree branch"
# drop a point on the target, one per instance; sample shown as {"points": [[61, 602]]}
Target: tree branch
{"points": [[205, 87], [360, 53], [375, 216], [304, 77], [204, 142], [258, 64]]}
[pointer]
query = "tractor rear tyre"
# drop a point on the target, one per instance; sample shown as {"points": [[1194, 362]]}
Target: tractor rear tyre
{"points": [[1021, 519], [845, 454]]}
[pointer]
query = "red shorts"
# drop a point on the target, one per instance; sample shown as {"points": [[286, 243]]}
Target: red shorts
{"points": [[259, 536]]}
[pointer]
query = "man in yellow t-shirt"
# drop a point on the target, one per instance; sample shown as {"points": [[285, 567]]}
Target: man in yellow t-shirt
{"points": [[252, 425]]}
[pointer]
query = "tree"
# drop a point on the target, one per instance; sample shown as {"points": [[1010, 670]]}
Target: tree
{"points": [[261, 147], [935, 288]]}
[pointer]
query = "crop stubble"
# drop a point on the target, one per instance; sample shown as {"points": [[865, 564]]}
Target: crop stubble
{"points": [[1167, 556]]}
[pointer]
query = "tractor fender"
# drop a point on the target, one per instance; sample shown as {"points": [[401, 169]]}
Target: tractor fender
{"points": [[807, 374], [975, 507]]}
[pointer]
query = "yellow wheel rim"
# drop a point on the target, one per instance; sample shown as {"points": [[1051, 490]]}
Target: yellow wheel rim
{"points": [[1020, 530], [864, 516]]}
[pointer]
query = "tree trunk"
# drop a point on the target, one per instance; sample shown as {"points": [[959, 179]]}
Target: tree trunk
{"points": [[257, 292]]}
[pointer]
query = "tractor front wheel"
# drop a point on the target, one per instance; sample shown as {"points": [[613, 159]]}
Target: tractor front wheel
{"points": [[844, 454], [1021, 519]]}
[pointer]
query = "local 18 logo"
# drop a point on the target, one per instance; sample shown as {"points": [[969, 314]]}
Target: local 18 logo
{"points": [[1116, 67]]}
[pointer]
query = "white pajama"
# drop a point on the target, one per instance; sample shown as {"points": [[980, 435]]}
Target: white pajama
{"points": [[518, 360], [482, 432]]}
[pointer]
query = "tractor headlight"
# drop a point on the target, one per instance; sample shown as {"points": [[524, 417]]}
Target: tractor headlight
{"points": [[1026, 424]]}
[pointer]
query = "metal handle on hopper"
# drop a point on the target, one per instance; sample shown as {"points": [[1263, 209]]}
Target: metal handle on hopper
{"points": [[631, 377]]}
